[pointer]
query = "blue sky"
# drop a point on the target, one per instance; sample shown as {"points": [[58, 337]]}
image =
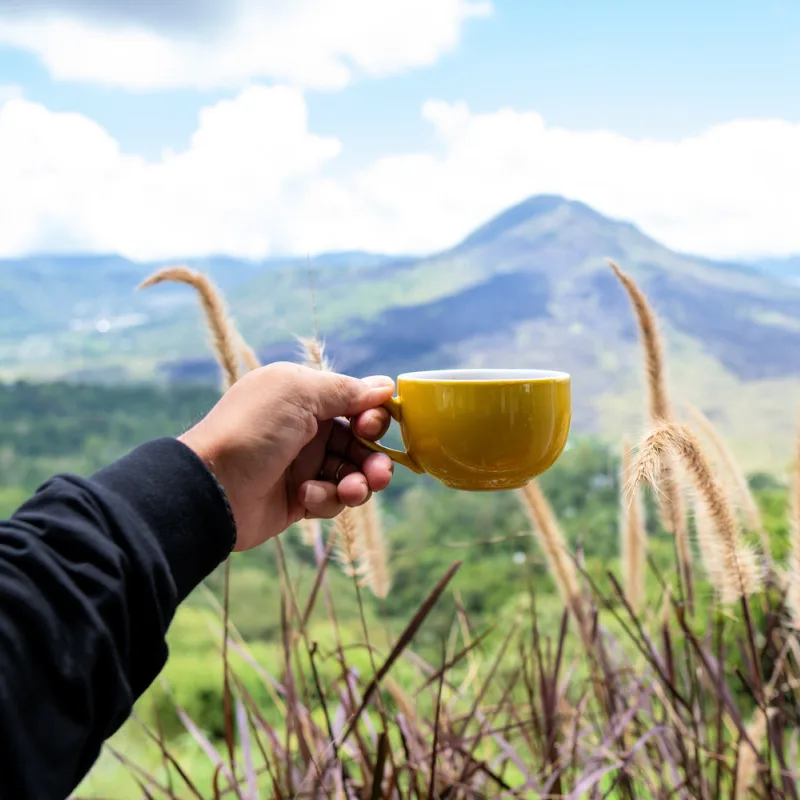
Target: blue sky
{"points": [[651, 71]]}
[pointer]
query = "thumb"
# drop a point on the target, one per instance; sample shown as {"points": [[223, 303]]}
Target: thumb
{"points": [[342, 396]]}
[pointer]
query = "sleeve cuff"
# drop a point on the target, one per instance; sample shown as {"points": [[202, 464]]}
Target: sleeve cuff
{"points": [[181, 502]]}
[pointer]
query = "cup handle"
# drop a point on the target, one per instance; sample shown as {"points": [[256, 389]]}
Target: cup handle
{"points": [[398, 456]]}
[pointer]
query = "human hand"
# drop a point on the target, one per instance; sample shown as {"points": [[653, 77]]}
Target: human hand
{"points": [[274, 443]]}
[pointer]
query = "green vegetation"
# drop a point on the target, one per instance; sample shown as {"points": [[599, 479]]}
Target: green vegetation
{"points": [[58, 427], [46, 428], [509, 656], [62, 427]]}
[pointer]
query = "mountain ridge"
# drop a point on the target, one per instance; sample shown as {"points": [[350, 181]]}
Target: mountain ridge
{"points": [[529, 287]]}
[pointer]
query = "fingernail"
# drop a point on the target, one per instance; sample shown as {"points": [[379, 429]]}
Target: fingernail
{"points": [[314, 495], [364, 493], [371, 419], [378, 381]]}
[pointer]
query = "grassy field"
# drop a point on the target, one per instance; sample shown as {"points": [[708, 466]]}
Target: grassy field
{"points": [[535, 644], [582, 638]]}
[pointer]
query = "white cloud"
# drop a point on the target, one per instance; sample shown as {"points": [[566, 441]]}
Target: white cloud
{"points": [[308, 43], [9, 91], [255, 180], [67, 186], [731, 191]]}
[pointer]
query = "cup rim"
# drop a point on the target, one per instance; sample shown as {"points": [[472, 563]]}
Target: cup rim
{"points": [[485, 375]]}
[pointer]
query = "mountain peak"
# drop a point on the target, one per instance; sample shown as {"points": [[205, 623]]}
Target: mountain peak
{"points": [[535, 207]]}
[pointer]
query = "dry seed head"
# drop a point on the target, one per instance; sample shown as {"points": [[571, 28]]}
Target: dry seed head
{"points": [[633, 537], [793, 568], [224, 337], [711, 555], [739, 571], [348, 545], [672, 507], [794, 515], [309, 531], [551, 540], [374, 562], [735, 480], [313, 353], [658, 468], [792, 588], [660, 408], [747, 767]]}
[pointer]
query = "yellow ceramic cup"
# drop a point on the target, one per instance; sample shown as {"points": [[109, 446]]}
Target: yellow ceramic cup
{"points": [[481, 429]]}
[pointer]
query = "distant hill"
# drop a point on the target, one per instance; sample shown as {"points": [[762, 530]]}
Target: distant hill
{"points": [[528, 288], [784, 269]]}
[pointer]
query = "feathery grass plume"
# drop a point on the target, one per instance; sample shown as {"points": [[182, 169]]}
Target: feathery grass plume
{"points": [[736, 482], [633, 545], [224, 337], [747, 766], [374, 566], [313, 352], [551, 539], [738, 574], [348, 542], [671, 502], [309, 530], [708, 543], [793, 570], [659, 404], [313, 348]]}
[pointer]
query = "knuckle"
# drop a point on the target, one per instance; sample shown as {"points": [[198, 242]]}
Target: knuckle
{"points": [[283, 371], [307, 424], [305, 420], [290, 384], [320, 390], [340, 387]]}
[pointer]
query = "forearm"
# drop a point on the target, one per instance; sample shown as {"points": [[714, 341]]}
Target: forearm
{"points": [[91, 572]]}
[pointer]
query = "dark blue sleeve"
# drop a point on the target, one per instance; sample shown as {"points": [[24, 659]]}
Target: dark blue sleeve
{"points": [[91, 572]]}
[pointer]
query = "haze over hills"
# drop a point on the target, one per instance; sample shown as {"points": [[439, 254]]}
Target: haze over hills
{"points": [[529, 288], [784, 269]]}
